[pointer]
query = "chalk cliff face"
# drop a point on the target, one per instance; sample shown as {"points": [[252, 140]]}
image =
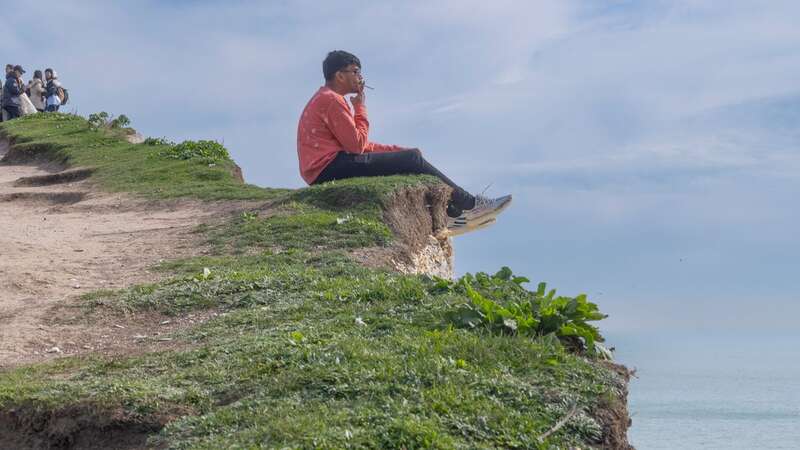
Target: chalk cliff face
{"points": [[417, 216], [435, 259]]}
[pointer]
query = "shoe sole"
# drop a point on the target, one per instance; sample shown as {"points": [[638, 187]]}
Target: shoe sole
{"points": [[493, 213], [470, 228]]}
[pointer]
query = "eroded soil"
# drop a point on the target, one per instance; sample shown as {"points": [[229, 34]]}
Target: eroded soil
{"points": [[66, 238]]}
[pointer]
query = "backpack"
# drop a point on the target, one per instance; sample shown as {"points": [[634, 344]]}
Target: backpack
{"points": [[63, 95]]}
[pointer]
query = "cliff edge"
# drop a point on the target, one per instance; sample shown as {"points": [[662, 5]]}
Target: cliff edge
{"points": [[153, 300]]}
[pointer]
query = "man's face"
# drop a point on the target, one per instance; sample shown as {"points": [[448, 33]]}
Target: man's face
{"points": [[351, 78], [48, 75], [8, 70]]}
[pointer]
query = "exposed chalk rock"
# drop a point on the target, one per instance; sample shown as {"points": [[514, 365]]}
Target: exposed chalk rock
{"points": [[435, 259], [134, 138]]}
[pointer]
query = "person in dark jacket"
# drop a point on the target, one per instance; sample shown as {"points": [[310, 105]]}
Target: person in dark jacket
{"points": [[12, 89], [53, 101], [4, 115]]}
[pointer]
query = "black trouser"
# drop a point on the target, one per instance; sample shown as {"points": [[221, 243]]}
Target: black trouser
{"points": [[403, 162], [12, 110], [52, 108]]}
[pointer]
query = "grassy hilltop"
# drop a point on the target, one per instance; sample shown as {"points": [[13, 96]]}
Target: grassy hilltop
{"points": [[309, 349]]}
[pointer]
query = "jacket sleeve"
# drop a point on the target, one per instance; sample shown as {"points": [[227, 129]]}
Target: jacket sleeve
{"points": [[352, 131], [374, 147], [14, 88]]}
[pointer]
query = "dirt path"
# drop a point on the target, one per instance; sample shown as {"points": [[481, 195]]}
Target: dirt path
{"points": [[62, 240]]}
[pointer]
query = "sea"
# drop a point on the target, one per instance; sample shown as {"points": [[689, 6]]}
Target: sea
{"points": [[731, 390]]}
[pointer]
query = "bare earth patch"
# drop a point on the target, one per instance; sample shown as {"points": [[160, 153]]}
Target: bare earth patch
{"points": [[61, 240]]}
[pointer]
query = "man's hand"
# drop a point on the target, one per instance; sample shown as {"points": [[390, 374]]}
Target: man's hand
{"points": [[360, 98]]}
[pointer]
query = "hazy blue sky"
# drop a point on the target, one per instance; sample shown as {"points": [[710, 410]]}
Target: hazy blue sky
{"points": [[651, 146]]}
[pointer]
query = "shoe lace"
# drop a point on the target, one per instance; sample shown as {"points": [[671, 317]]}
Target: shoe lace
{"points": [[481, 199]]}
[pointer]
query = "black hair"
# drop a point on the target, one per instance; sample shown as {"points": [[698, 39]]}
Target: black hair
{"points": [[336, 61], [37, 74], [48, 70]]}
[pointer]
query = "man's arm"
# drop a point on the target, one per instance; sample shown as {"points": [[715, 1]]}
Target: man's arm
{"points": [[372, 147], [359, 106], [352, 131]]}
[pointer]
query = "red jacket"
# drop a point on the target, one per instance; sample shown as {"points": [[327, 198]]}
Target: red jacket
{"points": [[327, 126]]}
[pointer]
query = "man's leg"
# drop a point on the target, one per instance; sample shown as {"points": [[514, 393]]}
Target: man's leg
{"points": [[403, 162]]}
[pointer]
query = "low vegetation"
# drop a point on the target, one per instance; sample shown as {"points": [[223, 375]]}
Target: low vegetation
{"points": [[124, 167], [103, 120], [310, 349], [205, 151]]}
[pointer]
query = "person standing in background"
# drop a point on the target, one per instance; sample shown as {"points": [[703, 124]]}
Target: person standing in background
{"points": [[36, 91], [3, 113], [12, 89], [53, 86]]}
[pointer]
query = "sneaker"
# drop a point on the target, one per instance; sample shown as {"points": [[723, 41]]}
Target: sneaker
{"points": [[459, 229], [484, 208]]}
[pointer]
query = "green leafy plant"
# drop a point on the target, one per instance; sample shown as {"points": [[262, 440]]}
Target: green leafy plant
{"points": [[502, 304], [104, 120], [120, 121], [208, 151], [98, 120], [248, 216]]}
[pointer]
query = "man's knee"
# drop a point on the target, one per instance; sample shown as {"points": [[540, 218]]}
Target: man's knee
{"points": [[414, 155]]}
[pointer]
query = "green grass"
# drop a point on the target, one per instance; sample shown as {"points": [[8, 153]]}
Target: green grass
{"points": [[315, 352], [301, 226], [364, 196], [310, 350]]}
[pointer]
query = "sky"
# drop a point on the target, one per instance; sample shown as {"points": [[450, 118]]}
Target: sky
{"points": [[651, 146]]}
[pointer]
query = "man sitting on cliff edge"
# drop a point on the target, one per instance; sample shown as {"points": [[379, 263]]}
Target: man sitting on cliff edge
{"points": [[333, 144]]}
